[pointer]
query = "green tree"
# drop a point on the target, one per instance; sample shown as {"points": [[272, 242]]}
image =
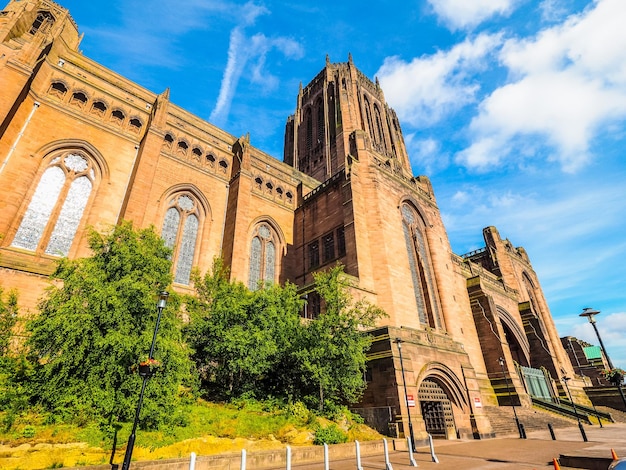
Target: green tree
{"points": [[96, 322], [239, 337], [332, 352], [8, 319]]}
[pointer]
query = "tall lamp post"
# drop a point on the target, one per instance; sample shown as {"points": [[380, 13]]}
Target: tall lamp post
{"points": [[590, 313], [580, 425], [398, 341], [520, 429], [145, 376]]}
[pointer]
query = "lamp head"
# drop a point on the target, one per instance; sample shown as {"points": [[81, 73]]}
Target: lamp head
{"points": [[398, 341], [590, 313], [501, 361], [163, 295]]}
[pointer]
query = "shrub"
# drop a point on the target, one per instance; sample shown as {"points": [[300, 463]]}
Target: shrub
{"points": [[330, 435]]}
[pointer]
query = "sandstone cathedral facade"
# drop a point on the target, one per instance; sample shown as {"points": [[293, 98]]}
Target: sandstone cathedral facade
{"points": [[81, 146]]}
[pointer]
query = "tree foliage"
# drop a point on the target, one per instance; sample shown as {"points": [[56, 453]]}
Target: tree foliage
{"points": [[95, 323], [238, 337], [8, 319], [255, 342], [332, 355]]}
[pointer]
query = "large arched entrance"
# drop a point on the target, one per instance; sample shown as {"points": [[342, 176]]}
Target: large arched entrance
{"points": [[442, 401]]}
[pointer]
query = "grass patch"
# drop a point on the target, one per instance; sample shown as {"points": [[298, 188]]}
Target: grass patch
{"points": [[37, 441]]}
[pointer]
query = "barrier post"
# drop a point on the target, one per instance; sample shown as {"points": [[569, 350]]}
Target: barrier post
{"points": [[192, 461], [326, 462], [357, 449], [387, 462], [432, 449], [288, 466], [412, 461], [243, 459]]}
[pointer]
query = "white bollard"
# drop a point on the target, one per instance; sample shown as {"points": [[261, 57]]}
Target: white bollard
{"points": [[192, 461], [288, 458], [412, 461], [326, 462], [358, 455], [387, 462], [243, 459], [432, 449]]}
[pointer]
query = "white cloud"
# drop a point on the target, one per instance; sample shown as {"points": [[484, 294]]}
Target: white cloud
{"points": [[253, 50], [461, 14], [568, 82], [426, 89]]}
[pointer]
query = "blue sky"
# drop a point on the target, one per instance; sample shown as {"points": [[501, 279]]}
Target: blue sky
{"points": [[515, 109]]}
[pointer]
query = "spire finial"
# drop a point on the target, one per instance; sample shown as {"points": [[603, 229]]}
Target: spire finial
{"points": [[350, 57]]}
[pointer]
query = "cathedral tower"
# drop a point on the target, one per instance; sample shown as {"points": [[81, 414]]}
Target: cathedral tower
{"points": [[338, 102]]}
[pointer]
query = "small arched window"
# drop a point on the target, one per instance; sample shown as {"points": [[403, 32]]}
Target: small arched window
{"points": [[135, 124], [183, 147], [57, 206], [79, 99], [99, 108], [117, 116], [197, 153], [279, 191], [258, 182], [269, 187], [289, 196], [223, 165], [263, 259], [58, 89], [210, 158], [168, 140], [181, 227]]}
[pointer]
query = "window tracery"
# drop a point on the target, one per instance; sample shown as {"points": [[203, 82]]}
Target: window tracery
{"points": [[56, 208], [263, 260], [181, 226], [419, 265]]}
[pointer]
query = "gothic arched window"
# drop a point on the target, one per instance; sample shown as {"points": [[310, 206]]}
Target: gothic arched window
{"points": [[57, 206], [263, 261], [181, 226], [44, 18], [419, 264], [380, 134], [320, 122], [309, 129]]}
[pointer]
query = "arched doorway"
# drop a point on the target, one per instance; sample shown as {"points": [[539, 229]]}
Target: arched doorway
{"points": [[436, 409]]}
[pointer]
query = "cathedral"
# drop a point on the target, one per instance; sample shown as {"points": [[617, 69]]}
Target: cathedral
{"points": [[81, 146]]}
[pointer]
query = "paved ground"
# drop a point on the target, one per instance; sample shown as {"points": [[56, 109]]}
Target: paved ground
{"points": [[503, 453]]}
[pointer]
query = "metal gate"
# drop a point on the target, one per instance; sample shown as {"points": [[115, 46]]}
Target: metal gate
{"points": [[436, 409]]}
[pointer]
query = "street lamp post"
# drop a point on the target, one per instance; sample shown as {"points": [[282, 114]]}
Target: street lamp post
{"points": [[520, 429], [398, 341], [590, 313], [580, 425], [131, 439]]}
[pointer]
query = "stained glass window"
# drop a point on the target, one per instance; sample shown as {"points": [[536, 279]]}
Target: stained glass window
{"points": [[419, 265], [59, 201], [181, 226], [263, 262]]}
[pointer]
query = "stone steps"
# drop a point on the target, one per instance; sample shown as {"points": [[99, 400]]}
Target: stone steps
{"points": [[534, 419]]}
